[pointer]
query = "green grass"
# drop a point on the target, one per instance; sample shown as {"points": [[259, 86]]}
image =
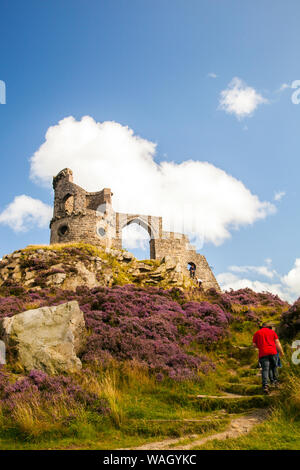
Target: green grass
{"points": [[281, 431], [242, 388], [131, 434], [142, 411], [277, 433], [85, 247]]}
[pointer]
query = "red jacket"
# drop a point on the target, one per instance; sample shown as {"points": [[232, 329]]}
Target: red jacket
{"points": [[265, 341]]}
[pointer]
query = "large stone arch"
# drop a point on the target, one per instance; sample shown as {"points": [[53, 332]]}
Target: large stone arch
{"points": [[150, 223]]}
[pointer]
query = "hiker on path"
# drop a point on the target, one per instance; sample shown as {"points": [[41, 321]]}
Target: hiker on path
{"points": [[267, 343]]}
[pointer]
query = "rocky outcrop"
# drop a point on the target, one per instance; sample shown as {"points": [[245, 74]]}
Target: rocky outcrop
{"points": [[47, 338], [70, 266]]}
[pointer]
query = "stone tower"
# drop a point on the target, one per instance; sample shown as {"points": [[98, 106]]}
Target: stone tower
{"points": [[83, 216]]}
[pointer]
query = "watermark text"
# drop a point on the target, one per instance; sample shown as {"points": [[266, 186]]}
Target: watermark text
{"points": [[296, 95], [296, 353]]}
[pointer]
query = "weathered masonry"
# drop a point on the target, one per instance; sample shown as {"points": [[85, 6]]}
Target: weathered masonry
{"points": [[83, 216]]}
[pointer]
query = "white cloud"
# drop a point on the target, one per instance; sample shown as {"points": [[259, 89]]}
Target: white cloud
{"points": [[24, 212], [194, 197], [284, 86], [240, 99], [279, 195], [229, 281], [135, 236], [261, 270], [287, 286], [292, 279], [212, 75]]}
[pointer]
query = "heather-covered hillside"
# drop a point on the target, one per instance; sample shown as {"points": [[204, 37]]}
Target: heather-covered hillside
{"points": [[150, 351], [145, 324]]}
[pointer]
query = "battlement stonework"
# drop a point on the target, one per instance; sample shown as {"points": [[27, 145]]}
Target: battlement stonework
{"points": [[84, 216]]}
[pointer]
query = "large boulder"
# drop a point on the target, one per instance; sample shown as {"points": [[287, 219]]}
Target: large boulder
{"points": [[46, 338]]}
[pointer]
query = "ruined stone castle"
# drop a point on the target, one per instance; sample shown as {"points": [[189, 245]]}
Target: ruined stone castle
{"points": [[89, 216]]}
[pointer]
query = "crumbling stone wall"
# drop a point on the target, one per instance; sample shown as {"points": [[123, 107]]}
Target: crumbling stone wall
{"points": [[83, 216]]}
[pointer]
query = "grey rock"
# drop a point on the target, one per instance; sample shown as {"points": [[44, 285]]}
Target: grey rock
{"points": [[47, 338]]}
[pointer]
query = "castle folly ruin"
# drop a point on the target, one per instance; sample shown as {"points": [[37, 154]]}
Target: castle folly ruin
{"points": [[89, 216]]}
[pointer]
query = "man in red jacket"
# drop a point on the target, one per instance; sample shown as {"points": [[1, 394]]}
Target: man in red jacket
{"points": [[267, 342]]}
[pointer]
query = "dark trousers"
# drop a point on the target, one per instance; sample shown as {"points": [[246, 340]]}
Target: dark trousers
{"points": [[268, 369]]}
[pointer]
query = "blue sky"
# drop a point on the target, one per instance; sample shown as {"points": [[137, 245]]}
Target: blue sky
{"points": [[159, 67]]}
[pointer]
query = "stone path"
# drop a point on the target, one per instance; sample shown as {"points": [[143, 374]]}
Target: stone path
{"points": [[237, 427], [226, 395]]}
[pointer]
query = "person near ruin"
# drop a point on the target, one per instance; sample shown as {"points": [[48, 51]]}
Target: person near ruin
{"points": [[199, 282], [192, 270], [267, 343]]}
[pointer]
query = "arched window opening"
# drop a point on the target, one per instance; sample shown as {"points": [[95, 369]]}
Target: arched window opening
{"points": [[68, 204], [136, 239]]}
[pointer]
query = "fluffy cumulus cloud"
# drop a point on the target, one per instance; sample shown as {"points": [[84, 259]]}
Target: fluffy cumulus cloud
{"points": [[24, 212], [287, 286], [292, 279], [194, 197], [261, 270], [229, 281], [240, 99]]}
